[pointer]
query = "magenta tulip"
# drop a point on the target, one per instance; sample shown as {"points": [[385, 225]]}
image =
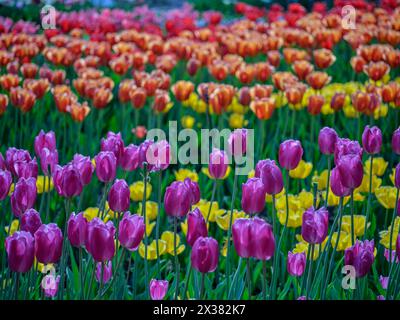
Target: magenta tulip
{"points": [[100, 240], [290, 153], [205, 253], [372, 140], [396, 141], [194, 190], [345, 147], [30, 221], [118, 197], [237, 142], [398, 247], [113, 143], [106, 166], [131, 231], [106, 272], [84, 167], [270, 175], [253, 196], [77, 229], [158, 155], [5, 183], [242, 237], [3, 165], [218, 164], [48, 243], [177, 199], [45, 141], [130, 158], [296, 263], [67, 181], [50, 285], [143, 154], [337, 186], [196, 226], [23, 196], [264, 241], [326, 140], [158, 289], [397, 177], [351, 171], [361, 257], [48, 160], [20, 163], [20, 251], [314, 228]]}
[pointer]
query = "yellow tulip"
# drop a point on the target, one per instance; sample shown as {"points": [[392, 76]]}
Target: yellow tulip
{"points": [[224, 219], [236, 121], [204, 207], [251, 174], [151, 210], [392, 175], [381, 111], [385, 235], [295, 217], [137, 190], [14, 227], [182, 174], [350, 112], [359, 225], [302, 171], [224, 249], [11, 189], [344, 241], [378, 167], [168, 237], [321, 179], [326, 108], [268, 197], [200, 106], [188, 122], [42, 184], [303, 246], [386, 196], [364, 187], [91, 213], [207, 173], [152, 249], [333, 200]]}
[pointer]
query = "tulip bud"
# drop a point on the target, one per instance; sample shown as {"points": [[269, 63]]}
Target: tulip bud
{"points": [[326, 140], [361, 257], [264, 240], [100, 240], [193, 186], [244, 96], [48, 243], [205, 253], [314, 228], [106, 166], [48, 159], [177, 199], [24, 196], [45, 140], [218, 164], [351, 171], [253, 196], [337, 186], [30, 221], [196, 226], [20, 251], [131, 231], [77, 229], [5, 183], [158, 289], [113, 143], [372, 140], [296, 263], [396, 141], [106, 272], [118, 197], [84, 167], [238, 142], [130, 158], [242, 237], [290, 153], [270, 175], [50, 285], [67, 181]]}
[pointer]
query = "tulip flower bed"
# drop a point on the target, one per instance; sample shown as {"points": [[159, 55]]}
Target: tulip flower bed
{"points": [[92, 208]]}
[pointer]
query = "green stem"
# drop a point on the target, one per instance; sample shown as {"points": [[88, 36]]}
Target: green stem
{"points": [[248, 266], [352, 218], [212, 199], [176, 258], [369, 197]]}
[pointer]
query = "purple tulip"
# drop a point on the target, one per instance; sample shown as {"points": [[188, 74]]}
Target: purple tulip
{"points": [[337, 186], [107, 271], [380, 298], [26, 169], [24, 196], [118, 197], [158, 289], [67, 181], [20, 251], [158, 155], [113, 143], [361, 257], [393, 256], [218, 164], [384, 281], [296, 263], [347, 147], [143, 154], [290, 153], [3, 165], [314, 228], [205, 253], [177, 199], [48, 243], [30, 221], [270, 175], [100, 240], [48, 159], [397, 177], [84, 167], [77, 229], [131, 231], [45, 141], [50, 285], [396, 141], [264, 241], [106, 166], [398, 247], [351, 171], [196, 226], [193, 186], [326, 140], [372, 140], [130, 158], [5, 183], [237, 142], [16, 161], [242, 237], [253, 196]]}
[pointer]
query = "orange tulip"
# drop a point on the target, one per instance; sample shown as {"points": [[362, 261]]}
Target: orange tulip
{"points": [[161, 100], [302, 68], [294, 93], [282, 79], [389, 91], [5, 57], [263, 108], [376, 70], [78, 111], [29, 70], [58, 77], [263, 71], [392, 58], [150, 84], [3, 103], [338, 100], [274, 58], [9, 81], [182, 90], [221, 98], [124, 90], [219, 70], [193, 66], [317, 80], [22, 99], [323, 58], [245, 74], [102, 97], [357, 63], [244, 96], [365, 102], [291, 55], [260, 91], [205, 90], [315, 103], [38, 86], [138, 97], [119, 65]]}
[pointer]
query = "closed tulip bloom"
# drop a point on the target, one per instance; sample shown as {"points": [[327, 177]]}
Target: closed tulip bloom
{"points": [[361, 257], [20, 251], [26, 169], [77, 229], [205, 254], [24, 196], [84, 167], [314, 227], [398, 247], [5, 183], [327, 140], [118, 197], [372, 140], [113, 143], [67, 181], [130, 158], [158, 289], [194, 189], [177, 199], [159, 155], [143, 155], [30, 221], [351, 171], [296, 263], [242, 237], [100, 240], [218, 164], [345, 147], [264, 239], [131, 231], [238, 142], [106, 166], [337, 186], [48, 160], [270, 175], [106, 272], [396, 141], [290, 153], [196, 226], [45, 140], [253, 196], [16, 160], [48, 243], [397, 177]]}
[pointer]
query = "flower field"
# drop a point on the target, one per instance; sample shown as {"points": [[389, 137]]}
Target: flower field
{"points": [[297, 197]]}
